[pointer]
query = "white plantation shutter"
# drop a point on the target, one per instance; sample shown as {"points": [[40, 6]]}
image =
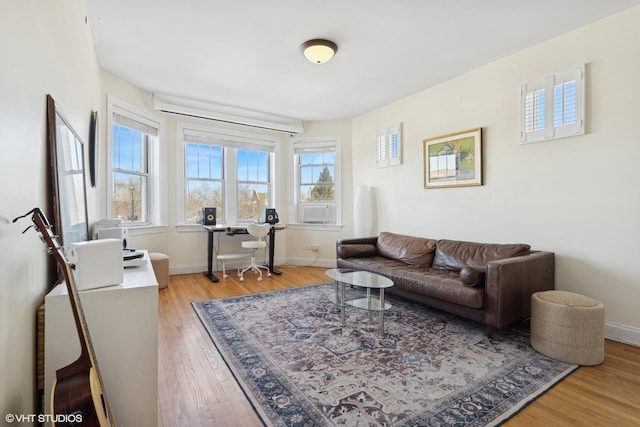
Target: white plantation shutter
{"points": [[389, 146], [568, 103], [533, 109], [395, 145], [383, 148], [553, 107]]}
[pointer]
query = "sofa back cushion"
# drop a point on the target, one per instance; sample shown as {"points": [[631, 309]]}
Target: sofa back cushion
{"points": [[408, 249], [455, 255], [357, 250]]}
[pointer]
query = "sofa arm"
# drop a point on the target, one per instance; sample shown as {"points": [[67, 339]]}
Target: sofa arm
{"points": [[510, 282], [358, 247]]}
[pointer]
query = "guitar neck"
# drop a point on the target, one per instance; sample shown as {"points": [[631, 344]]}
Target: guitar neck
{"points": [[87, 358], [87, 354]]}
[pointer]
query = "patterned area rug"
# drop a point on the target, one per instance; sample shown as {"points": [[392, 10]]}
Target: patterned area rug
{"points": [[299, 367]]}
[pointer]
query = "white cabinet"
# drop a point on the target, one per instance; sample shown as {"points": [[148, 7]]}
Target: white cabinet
{"points": [[123, 325]]}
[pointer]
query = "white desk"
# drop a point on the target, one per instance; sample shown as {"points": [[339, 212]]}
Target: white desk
{"points": [[123, 325]]}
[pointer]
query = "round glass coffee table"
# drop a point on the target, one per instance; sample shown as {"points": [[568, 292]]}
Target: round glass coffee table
{"points": [[361, 279]]}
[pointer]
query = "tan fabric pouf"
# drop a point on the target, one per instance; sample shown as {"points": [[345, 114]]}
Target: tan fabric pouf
{"points": [[160, 263], [568, 327]]}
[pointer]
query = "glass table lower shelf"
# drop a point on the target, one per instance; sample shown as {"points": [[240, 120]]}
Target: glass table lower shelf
{"points": [[360, 279]]}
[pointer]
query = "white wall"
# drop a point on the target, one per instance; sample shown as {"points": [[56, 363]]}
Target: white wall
{"points": [[577, 197], [46, 48]]}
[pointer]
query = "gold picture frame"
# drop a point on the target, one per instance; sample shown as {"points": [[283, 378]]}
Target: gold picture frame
{"points": [[453, 160]]}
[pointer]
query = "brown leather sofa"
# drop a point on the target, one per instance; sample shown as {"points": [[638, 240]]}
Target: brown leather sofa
{"points": [[485, 282]]}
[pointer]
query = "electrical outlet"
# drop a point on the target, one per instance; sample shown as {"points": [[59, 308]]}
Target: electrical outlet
{"points": [[315, 247]]}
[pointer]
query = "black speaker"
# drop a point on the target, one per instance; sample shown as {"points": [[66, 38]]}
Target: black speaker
{"points": [[209, 216], [271, 216]]}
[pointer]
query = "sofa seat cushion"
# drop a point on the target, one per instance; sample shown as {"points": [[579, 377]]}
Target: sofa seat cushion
{"points": [[455, 255], [437, 283], [407, 249], [442, 284]]}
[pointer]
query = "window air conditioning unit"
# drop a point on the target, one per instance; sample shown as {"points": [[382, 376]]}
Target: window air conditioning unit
{"points": [[315, 214]]}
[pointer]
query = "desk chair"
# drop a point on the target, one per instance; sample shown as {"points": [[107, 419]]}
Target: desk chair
{"points": [[259, 231]]}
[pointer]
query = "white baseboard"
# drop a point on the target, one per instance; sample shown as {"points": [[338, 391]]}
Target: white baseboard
{"points": [[187, 269], [200, 268], [312, 262], [622, 333]]}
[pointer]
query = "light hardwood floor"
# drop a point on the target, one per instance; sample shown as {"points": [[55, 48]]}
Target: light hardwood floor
{"points": [[195, 387]]}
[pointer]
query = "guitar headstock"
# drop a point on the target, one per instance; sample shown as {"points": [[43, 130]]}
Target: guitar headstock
{"points": [[44, 227]]}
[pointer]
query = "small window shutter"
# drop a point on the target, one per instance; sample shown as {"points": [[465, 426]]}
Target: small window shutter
{"points": [[395, 145], [389, 146], [553, 107], [383, 148], [533, 107], [568, 103]]}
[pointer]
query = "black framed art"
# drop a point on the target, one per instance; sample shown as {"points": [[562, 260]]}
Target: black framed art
{"points": [[93, 147]]}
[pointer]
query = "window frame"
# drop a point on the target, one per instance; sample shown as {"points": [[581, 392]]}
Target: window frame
{"points": [[231, 141], [298, 145], [155, 221], [547, 87]]}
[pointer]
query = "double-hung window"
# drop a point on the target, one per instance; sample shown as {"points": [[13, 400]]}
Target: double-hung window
{"points": [[228, 170], [317, 180], [554, 106], [204, 179], [254, 184], [133, 144]]}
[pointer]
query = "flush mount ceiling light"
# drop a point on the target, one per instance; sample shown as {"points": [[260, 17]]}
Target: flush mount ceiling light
{"points": [[319, 51]]}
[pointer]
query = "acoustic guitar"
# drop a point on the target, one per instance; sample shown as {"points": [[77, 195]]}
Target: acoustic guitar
{"points": [[77, 396]]}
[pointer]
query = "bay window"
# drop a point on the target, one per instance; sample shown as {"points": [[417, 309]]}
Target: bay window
{"points": [[229, 170]]}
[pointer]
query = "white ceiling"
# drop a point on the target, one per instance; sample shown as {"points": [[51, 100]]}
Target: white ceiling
{"points": [[245, 54]]}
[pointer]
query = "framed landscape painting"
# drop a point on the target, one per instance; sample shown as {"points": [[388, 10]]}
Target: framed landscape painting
{"points": [[453, 160]]}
